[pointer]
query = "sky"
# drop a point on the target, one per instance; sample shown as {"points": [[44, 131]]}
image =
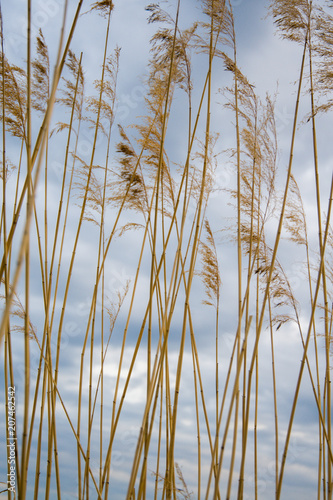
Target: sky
{"points": [[272, 65]]}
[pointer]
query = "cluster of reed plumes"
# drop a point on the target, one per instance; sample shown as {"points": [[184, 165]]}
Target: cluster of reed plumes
{"points": [[135, 359]]}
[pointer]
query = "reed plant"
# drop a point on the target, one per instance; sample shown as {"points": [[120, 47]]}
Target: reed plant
{"points": [[191, 374]]}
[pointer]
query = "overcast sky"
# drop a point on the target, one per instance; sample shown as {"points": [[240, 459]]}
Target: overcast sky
{"points": [[271, 65]]}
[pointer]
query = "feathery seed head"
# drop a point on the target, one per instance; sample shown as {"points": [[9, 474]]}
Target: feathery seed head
{"points": [[103, 7]]}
